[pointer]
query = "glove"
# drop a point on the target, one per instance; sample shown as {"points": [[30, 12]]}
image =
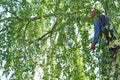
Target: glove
{"points": [[92, 46]]}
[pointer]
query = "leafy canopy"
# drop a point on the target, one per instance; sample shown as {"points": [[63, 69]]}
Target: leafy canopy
{"points": [[51, 37]]}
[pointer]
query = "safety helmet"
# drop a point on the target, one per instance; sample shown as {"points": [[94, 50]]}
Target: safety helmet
{"points": [[94, 12]]}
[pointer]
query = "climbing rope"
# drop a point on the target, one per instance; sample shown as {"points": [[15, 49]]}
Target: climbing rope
{"points": [[99, 57]]}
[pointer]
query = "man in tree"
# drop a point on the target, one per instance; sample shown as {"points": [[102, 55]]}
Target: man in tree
{"points": [[101, 28]]}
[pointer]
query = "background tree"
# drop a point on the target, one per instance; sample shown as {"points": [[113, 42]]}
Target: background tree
{"points": [[51, 37]]}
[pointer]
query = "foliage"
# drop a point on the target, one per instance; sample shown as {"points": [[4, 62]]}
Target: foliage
{"points": [[51, 35]]}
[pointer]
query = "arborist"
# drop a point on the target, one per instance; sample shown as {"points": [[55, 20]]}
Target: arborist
{"points": [[101, 28]]}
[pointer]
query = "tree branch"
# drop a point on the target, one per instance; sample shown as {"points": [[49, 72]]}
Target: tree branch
{"points": [[49, 32], [39, 17], [15, 17], [14, 14], [1, 20], [26, 26], [53, 14]]}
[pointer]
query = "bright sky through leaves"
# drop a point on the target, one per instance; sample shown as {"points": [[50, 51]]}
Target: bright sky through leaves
{"points": [[50, 39]]}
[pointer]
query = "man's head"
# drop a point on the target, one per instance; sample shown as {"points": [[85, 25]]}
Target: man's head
{"points": [[95, 13]]}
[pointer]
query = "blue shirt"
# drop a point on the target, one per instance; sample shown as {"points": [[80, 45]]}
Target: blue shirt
{"points": [[97, 29]]}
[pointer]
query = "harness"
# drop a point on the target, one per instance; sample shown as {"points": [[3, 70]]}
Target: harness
{"points": [[108, 34], [105, 31]]}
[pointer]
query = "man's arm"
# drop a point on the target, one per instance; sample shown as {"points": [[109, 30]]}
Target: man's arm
{"points": [[96, 34]]}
